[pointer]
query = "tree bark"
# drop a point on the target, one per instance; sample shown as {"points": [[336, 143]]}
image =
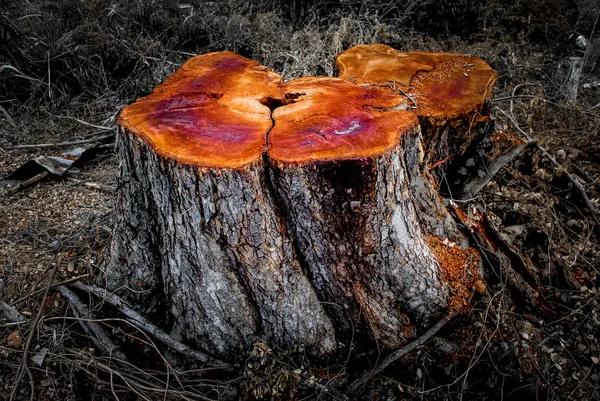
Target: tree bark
{"points": [[567, 76], [224, 267], [296, 213]]}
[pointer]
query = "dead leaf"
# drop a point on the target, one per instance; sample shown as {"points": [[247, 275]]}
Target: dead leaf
{"points": [[38, 358], [14, 340]]}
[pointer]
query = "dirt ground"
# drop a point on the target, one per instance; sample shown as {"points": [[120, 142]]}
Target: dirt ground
{"points": [[502, 350]]}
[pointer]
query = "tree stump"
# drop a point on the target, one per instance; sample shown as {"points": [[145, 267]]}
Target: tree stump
{"points": [[296, 212]]}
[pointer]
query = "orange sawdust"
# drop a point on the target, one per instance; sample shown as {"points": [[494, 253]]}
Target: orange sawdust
{"points": [[459, 271], [409, 330]]}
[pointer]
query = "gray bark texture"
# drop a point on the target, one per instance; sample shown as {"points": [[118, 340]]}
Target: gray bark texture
{"points": [[207, 243], [356, 226], [318, 254], [447, 141]]}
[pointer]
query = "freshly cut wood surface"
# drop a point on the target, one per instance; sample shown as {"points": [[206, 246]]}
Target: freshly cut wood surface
{"points": [[457, 86], [332, 119], [448, 92], [210, 113], [380, 64], [443, 85]]}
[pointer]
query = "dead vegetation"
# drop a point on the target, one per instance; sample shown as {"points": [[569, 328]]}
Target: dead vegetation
{"points": [[67, 68]]}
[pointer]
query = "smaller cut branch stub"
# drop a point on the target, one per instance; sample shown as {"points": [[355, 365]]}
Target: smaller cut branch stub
{"points": [[451, 93]]}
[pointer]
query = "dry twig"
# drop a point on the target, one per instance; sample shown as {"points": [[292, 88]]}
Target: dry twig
{"points": [[59, 144], [146, 385], [29, 183], [39, 291], [572, 179], [102, 127], [394, 356], [93, 185], [24, 367], [92, 328]]}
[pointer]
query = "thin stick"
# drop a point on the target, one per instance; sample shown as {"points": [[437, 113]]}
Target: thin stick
{"points": [[408, 97], [59, 144], [29, 183], [67, 281], [102, 127], [92, 328], [575, 183], [572, 179], [143, 323], [93, 185], [392, 85], [24, 367], [562, 106], [394, 356]]}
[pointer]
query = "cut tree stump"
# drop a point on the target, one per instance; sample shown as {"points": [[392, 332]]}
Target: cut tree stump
{"points": [[298, 212]]}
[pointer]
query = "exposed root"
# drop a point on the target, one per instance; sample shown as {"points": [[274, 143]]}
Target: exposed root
{"points": [[92, 328], [141, 322]]}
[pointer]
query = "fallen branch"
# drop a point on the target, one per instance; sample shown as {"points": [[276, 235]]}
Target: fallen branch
{"points": [[29, 183], [36, 292], [24, 366], [394, 356], [502, 257], [92, 328], [11, 313], [141, 322], [59, 144]]}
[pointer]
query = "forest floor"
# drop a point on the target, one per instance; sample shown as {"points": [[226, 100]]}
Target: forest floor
{"points": [[501, 350]]}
